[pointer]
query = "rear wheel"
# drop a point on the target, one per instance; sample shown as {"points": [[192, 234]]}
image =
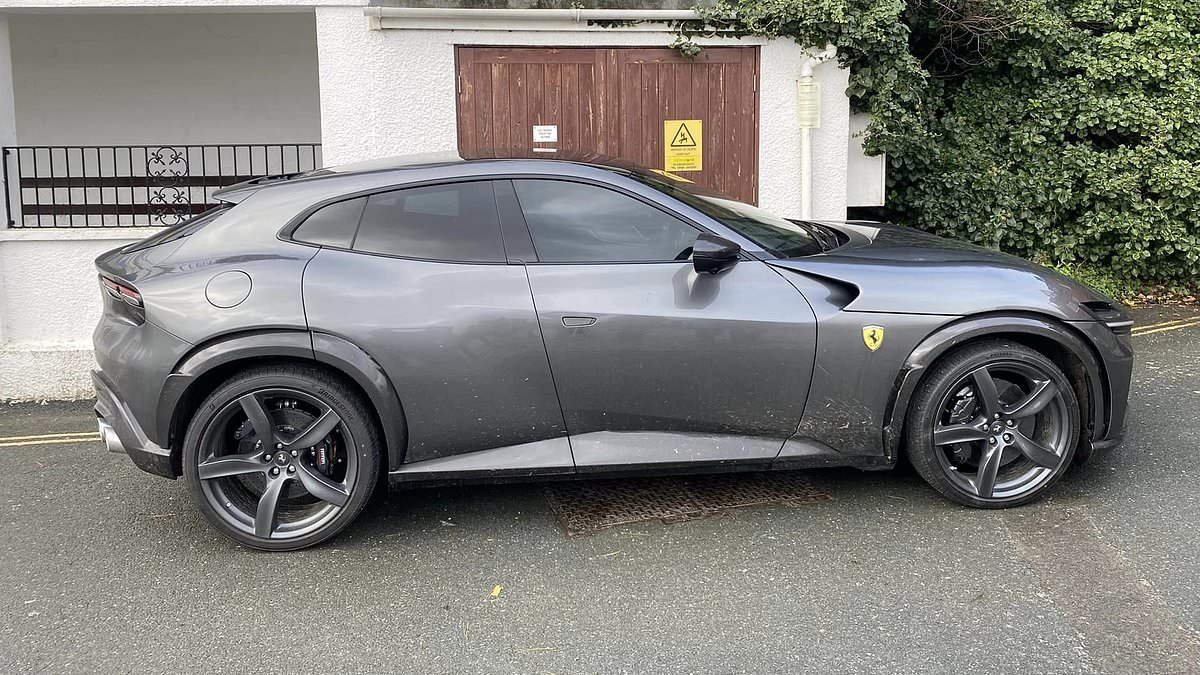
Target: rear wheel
{"points": [[281, 457], [993, 424]]}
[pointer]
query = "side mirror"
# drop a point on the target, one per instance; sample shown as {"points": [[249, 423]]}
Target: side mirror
{"points": [[713, 254]]}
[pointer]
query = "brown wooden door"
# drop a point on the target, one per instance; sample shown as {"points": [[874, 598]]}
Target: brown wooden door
{"points": [[613, 102]]}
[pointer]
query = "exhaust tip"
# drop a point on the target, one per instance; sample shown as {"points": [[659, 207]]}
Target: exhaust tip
{"points": [[109, 436]]}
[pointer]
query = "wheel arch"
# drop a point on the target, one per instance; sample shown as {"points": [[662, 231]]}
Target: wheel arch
{"points": [[202, 369], [1057, 340]]}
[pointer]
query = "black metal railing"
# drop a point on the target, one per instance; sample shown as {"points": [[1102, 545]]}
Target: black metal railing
{"points": [[133, 185]]}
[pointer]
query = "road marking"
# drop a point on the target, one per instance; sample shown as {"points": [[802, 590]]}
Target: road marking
{"points": [[34, 438], [52, 441], [1166, 328], [1158, 325]]}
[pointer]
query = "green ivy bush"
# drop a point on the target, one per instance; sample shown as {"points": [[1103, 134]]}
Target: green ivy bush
{"points": [[1065, 131]]}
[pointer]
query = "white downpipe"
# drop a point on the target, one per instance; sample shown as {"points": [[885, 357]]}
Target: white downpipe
{"points": [[806, 128], [805, 173]]}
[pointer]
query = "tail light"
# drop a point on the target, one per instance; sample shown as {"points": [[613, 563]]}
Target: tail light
{"points": [[121, 291]]}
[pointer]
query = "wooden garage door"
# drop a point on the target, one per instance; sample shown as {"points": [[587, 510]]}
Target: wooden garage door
{"points": [[613, 102]]}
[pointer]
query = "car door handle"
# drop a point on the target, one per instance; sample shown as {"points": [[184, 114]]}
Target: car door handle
{"points": [[578, 321]]}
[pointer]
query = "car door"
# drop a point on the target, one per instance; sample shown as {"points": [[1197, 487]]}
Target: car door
{"points": [[653, 363], [423, 286]]}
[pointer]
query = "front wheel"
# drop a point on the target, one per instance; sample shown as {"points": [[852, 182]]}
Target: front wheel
{"points": [[993, 424], [281, 457]]}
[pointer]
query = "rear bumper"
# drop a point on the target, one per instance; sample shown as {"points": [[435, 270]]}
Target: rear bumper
{"points": [[122, 433]]}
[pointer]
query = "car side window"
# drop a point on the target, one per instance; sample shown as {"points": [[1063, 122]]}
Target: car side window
{"points": [[455, 222], [332, 225], [574, 222]]}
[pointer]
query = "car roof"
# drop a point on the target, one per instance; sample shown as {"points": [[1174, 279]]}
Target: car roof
{"points": [[430, 159], [479, 164]]}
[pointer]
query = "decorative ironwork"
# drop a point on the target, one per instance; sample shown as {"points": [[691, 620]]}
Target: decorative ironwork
{"points": [[134, 185], [166, 166], [164, 201], [168, 171]]}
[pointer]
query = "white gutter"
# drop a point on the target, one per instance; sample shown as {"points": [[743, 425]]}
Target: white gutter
{"points": [[806, 126], [445, 18]]}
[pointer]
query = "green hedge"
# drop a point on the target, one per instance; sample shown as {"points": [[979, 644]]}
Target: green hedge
{"points": [[1067, 132]]}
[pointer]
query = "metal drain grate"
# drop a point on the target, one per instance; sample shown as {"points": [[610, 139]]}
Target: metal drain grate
{"points": [[586, 507]]}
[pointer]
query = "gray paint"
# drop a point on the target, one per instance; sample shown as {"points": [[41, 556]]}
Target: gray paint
{"points": [[851, 385], [228, 289], [676, 351], [137, 360], [616, 449], [905, 271], [460, 343], [465, 364], [548, 457]]}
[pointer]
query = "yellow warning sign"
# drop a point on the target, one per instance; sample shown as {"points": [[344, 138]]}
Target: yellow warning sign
{"points": [[683, 145]]}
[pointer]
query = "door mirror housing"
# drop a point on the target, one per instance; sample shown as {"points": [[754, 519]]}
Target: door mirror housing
{"points": [[713, 254]]}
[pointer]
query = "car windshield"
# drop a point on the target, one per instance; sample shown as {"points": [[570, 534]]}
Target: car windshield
{"points": [[775, 235]]}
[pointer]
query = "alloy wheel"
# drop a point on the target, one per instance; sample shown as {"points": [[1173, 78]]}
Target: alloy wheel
{"points": [[1002, 430], [277, 463]]}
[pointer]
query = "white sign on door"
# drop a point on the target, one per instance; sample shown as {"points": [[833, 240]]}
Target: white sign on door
{"points": [[545, 133]]}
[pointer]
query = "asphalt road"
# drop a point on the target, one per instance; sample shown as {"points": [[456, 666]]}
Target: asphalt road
{"points": [[107, 569]]}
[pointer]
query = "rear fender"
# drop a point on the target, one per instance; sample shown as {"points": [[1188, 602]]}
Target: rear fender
{"points": [[335, 352], [349, 358]]}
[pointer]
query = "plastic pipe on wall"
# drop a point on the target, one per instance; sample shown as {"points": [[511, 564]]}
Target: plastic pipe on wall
{"points": [[805, 84]]}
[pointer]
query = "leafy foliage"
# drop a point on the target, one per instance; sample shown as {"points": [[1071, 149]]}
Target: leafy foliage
{"points": [[1062, 130]]}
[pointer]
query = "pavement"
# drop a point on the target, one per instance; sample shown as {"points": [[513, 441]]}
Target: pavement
{"points": [[108, 569]]}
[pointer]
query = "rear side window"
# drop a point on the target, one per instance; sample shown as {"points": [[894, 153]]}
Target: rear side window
{"points": [[573, 222], [457, 222], [332, 225]]}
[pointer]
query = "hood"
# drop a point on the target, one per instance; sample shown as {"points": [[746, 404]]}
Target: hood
{"points": [[887, 268]]}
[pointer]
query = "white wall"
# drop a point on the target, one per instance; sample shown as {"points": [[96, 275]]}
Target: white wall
{"points": [[131, 78], [99, 79], [8, 121], [392, 92], [49, 306], [165, 78], [866, 177]]}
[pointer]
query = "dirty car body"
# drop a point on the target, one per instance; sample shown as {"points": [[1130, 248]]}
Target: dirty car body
{"points": [[497, 319]]}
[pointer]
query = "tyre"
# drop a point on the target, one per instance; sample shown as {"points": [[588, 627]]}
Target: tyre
{"points": [[282, 457], [993, 424]]}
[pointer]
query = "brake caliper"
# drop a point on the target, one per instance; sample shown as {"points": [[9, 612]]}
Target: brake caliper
{"points": [[325, 456], [963, 410]]}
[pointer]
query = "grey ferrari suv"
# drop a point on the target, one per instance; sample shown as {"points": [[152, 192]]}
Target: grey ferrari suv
{"points": [[322, 334]]}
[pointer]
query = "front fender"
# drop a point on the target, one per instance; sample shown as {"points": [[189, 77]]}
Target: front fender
{"points": [[951, 335]]}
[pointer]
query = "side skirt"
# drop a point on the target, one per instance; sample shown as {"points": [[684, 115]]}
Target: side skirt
{"points": [[550, 460]]}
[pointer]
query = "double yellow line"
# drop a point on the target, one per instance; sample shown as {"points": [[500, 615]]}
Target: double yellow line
{"points": [[49, 439], [1162, 326]]}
